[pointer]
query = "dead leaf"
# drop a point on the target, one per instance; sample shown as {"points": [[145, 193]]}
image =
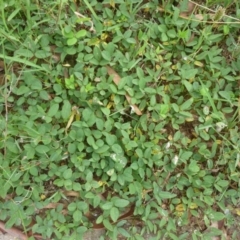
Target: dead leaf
{"points": [[116, 80], [219, 225], [15, 232], [199, 17], [116, 77], [52, 205], [135, 108], [190, 8], [71, 193]]}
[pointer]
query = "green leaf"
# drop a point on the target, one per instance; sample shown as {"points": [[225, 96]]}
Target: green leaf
{"points": [[72, 148], [120, 202], [117, 148], [44, 95], [24, 61], [123, 232], [172, 33], [102, 149], [193, 167], [108, 225], [77, 216], [106, 55], [22, 90], [176, 13], [87, 114], [42, 149], [53, 110], [81, 230], [186, 105], [106, 111], [72, 206], [164, 109], [91, 142], [131, 40], [24, 52], [217, 216], [36, 84], [89, 195], [71, 41], [123, 82], [164, 37], [33, 171], [166, 195], [107, 205], [81, 33], [114, 214], [67, 173], [223, 183], [97, 53], [100, 124], [12, 147], [42, 54], [66, 110], [12, 220], [188, 85]]}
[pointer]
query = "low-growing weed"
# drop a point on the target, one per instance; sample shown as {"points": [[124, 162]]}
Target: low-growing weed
{"points": [[122, 115]]}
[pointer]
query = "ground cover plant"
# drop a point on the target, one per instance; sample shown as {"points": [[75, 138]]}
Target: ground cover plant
{"points": [[120, 114]]}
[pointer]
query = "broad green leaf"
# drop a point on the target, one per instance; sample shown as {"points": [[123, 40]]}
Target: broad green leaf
{"points": [[24, 52], [100, 124], [81, 33], [42, 149], [172, 33], [117, 148], [77, 216], [223, 183], [87, 114], [44, 95], [42, 54], [106, 55], [123, 82], [97, 53], [187, 104], [71, 41], [107, 205], [66, 110], [131, 40], [193, 167], [81, 230], [72, 206], [108, 225], [36, 84], [106, 111], [12, 147], [67, 173], [217, 216], [22, 90], [114, 214], [166, 195], [188, 85], [72, 148], [124, 232], [33, 171], [120, 202], [102, 149], [53, 110]]}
